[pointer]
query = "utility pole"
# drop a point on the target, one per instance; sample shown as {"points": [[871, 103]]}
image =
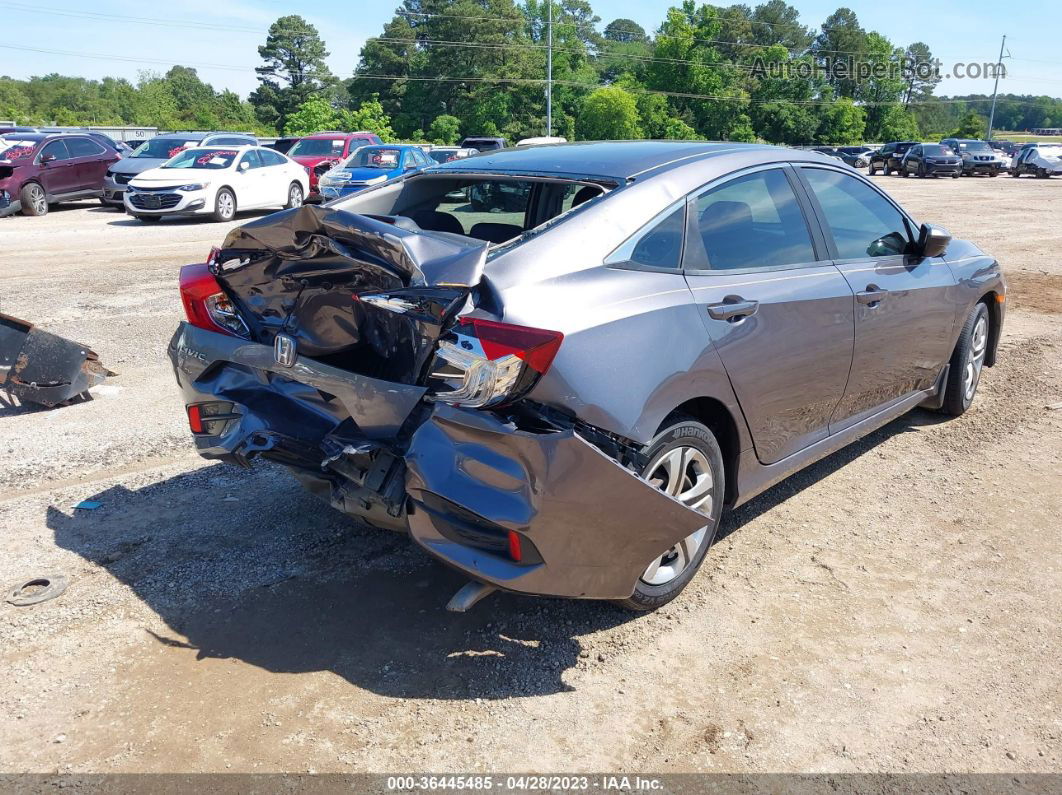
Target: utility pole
{"points": [[999, 68], [549, 68]]}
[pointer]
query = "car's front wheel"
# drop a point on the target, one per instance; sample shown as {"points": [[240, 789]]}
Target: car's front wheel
{"points": [[225, 205], [685, 461], [34, 200], [966, 362]]}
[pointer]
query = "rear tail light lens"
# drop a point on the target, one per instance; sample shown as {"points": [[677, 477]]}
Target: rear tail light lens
{"points": [[195, 419], [205, 305], [485, 363], [515, 552]]}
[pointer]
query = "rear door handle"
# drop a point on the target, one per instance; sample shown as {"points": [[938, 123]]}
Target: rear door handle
{"points": [[732, 310], [871, 296]]}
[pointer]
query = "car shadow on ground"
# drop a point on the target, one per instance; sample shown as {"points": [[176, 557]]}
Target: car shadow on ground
{"points": [[184, 220], [277, 579]]}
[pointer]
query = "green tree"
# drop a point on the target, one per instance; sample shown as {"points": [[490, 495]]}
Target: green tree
{"points": [[370, 117], [294, 70], [897, 124], [313, 115], [920, 73], [609, 113], [839, 48], [842, 122], [972, 125], [625, 31], [445, 129]]}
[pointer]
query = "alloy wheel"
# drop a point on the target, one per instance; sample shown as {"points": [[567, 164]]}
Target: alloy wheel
{"points": [[295, 196], [976, 359], [225, 205], [38, 199], [685, 474]]}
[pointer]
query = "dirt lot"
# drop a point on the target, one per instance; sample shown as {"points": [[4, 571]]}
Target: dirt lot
{"points": [[895, 607]]}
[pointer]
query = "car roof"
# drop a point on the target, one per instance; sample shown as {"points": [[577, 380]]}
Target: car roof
{"points": [[25, 136], [619, 160], [331, 135]]}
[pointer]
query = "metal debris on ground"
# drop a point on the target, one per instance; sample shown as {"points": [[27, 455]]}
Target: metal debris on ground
{"points": [[39, 367], [37, 590]]}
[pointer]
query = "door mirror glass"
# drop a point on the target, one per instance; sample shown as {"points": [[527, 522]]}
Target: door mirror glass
{"points": [[47, 159], [244, 165], [932, 240]]}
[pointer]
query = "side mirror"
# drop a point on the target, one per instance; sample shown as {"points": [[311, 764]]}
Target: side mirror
{"points": [[244, 166], [932, 240], [47, 159]]}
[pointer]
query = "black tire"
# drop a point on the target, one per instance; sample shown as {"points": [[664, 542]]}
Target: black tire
{"points": [[905, 173], [679, 432], [957, 396], [292, 188], [993, 173], [1041, 173], [957, 175], [34, 201], [886, 170], [151, 219], [224, 211], [871, 171]]}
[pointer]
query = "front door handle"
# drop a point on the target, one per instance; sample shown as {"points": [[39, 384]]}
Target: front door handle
{"points": [[871, 296], [732, 309]]}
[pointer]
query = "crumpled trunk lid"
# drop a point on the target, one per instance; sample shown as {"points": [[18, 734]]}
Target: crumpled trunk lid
{"points": [[299, 272]]}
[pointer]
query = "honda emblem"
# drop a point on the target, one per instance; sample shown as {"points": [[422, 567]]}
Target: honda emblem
{"points": [[284, 350]]}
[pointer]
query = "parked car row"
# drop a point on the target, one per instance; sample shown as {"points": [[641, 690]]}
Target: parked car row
{"points": [[955, 157]]}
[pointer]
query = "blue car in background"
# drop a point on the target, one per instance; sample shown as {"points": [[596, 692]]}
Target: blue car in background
{"points": [[370, 165]]}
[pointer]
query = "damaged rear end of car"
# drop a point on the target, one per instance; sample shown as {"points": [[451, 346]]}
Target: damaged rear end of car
{"points": [[371, 357]]}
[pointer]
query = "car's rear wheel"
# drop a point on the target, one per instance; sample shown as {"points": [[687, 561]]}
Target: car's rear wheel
{"points": [[967, 360], [685, 461], [34, 200], [295, 197], [224, 205]]}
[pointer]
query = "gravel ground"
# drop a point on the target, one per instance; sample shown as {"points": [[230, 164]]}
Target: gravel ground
{"points": [[895, 607]]}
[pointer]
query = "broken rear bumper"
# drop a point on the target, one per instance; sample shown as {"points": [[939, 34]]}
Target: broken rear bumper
{"points": [[461, 480]]}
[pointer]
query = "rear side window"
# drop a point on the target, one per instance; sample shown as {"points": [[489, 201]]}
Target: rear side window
{"points": [[657, 245], [251, 158], [863, 223], [84, 147], [751, 222], [271, 158]]}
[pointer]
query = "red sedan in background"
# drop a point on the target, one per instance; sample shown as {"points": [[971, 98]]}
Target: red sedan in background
{"points": [[319, 152]]}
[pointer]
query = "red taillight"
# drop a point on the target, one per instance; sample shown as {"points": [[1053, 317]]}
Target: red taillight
{"points": [[515, 552], [535, 346], [195, 419], [205, 304]]}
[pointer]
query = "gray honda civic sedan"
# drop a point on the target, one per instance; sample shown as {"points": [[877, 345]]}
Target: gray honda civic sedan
{"points": [[556, 367]]}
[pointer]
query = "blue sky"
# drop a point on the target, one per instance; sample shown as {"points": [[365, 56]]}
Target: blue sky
{"points": [[221, 37]]}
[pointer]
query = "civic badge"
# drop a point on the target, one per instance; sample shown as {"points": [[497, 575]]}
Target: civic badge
{"points": [[284, 350]]}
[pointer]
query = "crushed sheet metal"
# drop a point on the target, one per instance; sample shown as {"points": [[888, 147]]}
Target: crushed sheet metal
{"points": [[377, 407], [39, 367], [299, 272], [51, 586], [596, 524]]}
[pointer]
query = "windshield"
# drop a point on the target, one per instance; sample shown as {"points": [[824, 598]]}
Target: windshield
{"points": [[15, 148], [937, 150], [386, 158], [203, 158], [162, 148], [318, 147], [975, 146]]}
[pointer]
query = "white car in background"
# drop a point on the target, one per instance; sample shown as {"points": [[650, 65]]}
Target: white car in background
{"points": [[217, 181], [1040, 160]]}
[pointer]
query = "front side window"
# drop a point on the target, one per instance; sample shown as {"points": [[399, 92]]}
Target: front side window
{"points": [[863, 223], [752, 222], [385, 158], [251, 159], [56, 149], [656, 245]]}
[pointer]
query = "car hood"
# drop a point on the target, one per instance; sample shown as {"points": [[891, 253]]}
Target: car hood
{"points": [[173, 176], [136, 165]]}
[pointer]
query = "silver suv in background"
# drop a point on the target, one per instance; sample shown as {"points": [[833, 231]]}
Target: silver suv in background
{"points": [[156, 151], [978, 157], [555, 368]]}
